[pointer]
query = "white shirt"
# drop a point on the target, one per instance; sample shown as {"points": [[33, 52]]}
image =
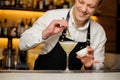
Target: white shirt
{"points": [[33, 36]]}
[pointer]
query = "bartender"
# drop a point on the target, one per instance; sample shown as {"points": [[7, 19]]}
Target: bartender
{"points": [[52, 27]]}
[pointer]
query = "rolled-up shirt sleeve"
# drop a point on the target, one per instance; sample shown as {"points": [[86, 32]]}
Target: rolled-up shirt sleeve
{"points": [[33, 36]]}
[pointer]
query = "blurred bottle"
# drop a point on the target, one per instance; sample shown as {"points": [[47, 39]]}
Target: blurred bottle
{"points": [[46, 4], [66, 4], [9, 56], [30, 23], [40, 4], [29, 4], [12, 3], [17, 3], [7, 3], [21, 28], [4, 30], [26, 23], [1, 3], [13, 30], [24, 3], [1, 57], [51, 5]]}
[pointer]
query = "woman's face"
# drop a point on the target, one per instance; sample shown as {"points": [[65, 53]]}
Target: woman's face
{"points": [[83, 9]]}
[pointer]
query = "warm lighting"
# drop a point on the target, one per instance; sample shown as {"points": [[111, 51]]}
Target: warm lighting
{"points": [[95, 18], [3, 42], [15, 42], [16, 15]]}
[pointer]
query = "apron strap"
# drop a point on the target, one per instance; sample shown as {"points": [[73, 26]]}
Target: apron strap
{"points": [[88, 35], [64, 31], [67, 19]]}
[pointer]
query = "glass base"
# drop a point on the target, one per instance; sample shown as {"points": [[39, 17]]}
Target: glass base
{"points": [[67, 70]]}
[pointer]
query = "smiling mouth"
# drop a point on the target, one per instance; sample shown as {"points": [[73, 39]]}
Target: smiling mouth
{"points": [[82, 15]]}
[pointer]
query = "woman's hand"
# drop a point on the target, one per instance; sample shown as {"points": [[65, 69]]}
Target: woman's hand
{"points": [[88, 60], [55, 27]]}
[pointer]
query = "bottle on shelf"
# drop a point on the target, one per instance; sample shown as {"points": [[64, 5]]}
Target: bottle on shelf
{"points": [[26, 23], [66, 4], [4, 30], [13, 30], [51, 5], [29, 4], [24, 3], [21, 28], [1, 3], [7, 3], [12, 3], [39, 4], [17, 3], [46, 4], [30, 23], [9, 56]]}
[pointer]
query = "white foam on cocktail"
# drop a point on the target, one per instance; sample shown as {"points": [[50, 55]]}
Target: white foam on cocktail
{"points": [[68, 46]]}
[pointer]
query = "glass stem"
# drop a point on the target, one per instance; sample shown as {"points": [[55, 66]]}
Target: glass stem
{"points": [[67, 63]]}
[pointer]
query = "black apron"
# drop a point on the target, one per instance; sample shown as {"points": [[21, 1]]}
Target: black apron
{"points": [[56, 58]]}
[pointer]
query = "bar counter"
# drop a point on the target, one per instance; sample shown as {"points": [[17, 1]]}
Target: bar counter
{"points": [[59, 75]]}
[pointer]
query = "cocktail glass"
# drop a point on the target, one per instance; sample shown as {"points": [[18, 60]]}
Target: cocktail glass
{"points": [[68, 46]]}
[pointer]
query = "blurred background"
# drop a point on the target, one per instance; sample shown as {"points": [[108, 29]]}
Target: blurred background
{"points": [[18, 15]]}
